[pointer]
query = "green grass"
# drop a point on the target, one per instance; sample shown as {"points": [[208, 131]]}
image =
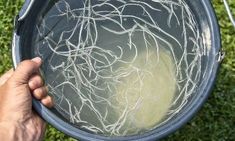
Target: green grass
{"points": [[214, 122]]}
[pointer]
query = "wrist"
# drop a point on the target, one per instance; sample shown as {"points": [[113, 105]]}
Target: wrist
{"points": [[19, 131], [8, 131]]}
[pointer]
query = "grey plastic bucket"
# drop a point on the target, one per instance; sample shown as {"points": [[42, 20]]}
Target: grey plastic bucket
{"points": [[204, 14]]}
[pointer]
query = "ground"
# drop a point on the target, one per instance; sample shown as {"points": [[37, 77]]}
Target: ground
{"points": [[214, 122]]}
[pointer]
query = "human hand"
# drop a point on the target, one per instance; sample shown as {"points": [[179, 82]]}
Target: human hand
{"points": [[17, 119]]}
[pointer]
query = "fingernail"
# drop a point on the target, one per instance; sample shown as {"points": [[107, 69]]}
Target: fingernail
{"points": [[37, 60]]}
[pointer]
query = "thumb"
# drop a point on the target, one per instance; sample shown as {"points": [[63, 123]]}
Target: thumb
{"points": [[25, 70]]}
